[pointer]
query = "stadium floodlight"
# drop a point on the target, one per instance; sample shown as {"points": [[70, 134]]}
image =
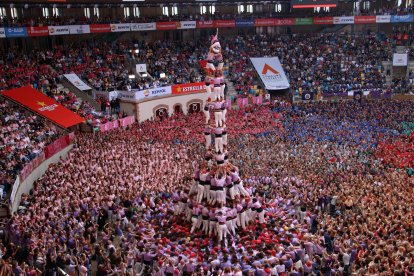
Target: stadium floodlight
{"points": [[136, 51], [144, 75], [131, 76]]}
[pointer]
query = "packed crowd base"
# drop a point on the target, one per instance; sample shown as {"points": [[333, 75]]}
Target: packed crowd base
{"points": [[332, 207]]}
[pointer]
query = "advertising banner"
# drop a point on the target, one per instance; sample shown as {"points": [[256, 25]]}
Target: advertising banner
{"points": [[205, 24], [2, 33], [285, 22], [365, 19], [143, 26], [56, 146], [37, 31], [183, 25], [109, 126], [383, 19], [29, 167], [400, 59], [126, 121], [77, 82], [197, 87], [167, 25], [271, 72], [344, 20], [138, 95], [323, 20], [79, 29], [16, 32], [44, 106], [409, 18], [263, 22], [244, 23], [303, 21], [100, 28], [58, 30], [116, 28], [225, 23]]}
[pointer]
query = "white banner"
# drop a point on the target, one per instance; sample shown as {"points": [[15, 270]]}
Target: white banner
{"points": [[139, 95], [141, 68], [58, 30], [79, 29], [143, 26], [14, 190], [77, 82], [186, 25], [2, 32], [344, 20], [120, 28], [383, 19], [399, 60], [271, 72]]}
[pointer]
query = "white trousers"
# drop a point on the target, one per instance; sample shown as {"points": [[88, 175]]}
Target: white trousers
{"points": [[212, 228], [208, 88], [218, 118], [207, 115], [207, 192], [218, 143], [195, 224], [230, 227], [223, 117], [208, 141], [221, 196], [211, 66], [200, 193], [213, 197], [222, 231], [222, 86], [206, 226], [241, 220], [224, 139], [217, 92]]}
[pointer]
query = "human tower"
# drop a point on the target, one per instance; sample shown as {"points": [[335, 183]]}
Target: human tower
{"points": [[217, 204]]}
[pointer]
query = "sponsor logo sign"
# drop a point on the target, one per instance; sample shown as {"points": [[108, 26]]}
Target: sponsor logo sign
{"points": [[59, 30], [38, 31], [143, 26]]}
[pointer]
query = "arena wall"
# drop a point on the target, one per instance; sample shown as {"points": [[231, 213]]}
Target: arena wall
{"points": [[27, 184]]}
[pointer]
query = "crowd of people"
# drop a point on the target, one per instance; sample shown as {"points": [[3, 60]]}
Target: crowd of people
{"points": [[23, 136], [331, 206]]}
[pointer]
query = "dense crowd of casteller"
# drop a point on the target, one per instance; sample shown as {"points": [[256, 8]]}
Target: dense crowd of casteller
{"points": [[25, 21], [23, 136], [331, 207]]}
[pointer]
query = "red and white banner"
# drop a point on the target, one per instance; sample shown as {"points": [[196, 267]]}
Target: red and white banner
{"points": [[323, 20], [258, 100], [188, 88], [44, 106], [225, 23], [126, 121], [100, 28], [38, 31], [205, 24], [115, 28], [167, 25], [241, 102], [56, 146], [29, 167], [284, 21], [58, 30], [365, 19], [109, 126], [263, 22]]}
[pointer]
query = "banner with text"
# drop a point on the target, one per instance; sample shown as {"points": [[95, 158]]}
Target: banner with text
{"points": [[79, 29], [116, 28], [183, 25], [37, 31], [144, 94], [400, 59], [16, 32], [2, 32], [271, 72], [77, 82], [188, 88]]}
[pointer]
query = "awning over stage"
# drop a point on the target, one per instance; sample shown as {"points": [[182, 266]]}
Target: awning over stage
{"points": [[44, 106], [271, 72]]}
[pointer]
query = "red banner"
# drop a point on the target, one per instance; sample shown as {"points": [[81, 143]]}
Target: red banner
{"points": [[38, 31], [205, 24], [44, 106], [365, 19], [100, 28], [263, 22], [31, 166], [167, 25], [284, 21], [56, 146], [126, 121], [323, 20], [188, 88], [224, 23], [109, 126]]}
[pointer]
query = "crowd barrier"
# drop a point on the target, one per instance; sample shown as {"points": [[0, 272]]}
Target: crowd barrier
{"points": [[51, 150], [12, 32]]}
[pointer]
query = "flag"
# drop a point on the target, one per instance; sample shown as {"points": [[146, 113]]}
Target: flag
{"points": [[358, 96], [307, 96]]}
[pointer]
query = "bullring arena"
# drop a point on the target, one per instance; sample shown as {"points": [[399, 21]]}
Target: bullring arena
{"points": [[206, 138]]}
